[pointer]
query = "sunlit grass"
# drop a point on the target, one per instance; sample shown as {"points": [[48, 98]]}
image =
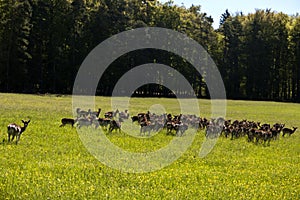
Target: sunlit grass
{"points": [[52, 163]]}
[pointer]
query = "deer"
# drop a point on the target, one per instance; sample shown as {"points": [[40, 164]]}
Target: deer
{"points": [[111, 114], [82, 113], [84, 122], [65, 121], [288, 131], [146, 126], [96, 113], [115, 125], [15, 130], [103, 123], [124, 115]]}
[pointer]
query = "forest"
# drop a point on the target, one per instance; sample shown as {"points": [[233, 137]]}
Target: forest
{"points": [[44, 42]]}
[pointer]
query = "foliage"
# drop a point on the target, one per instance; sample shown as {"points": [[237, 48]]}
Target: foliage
{"points": [[256, 61], [43, 43]]}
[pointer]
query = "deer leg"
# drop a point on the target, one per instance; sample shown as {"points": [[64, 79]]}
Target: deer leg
{"points": [[249, 137], [177, 133], [265, 140], [17, 139], [111, 129], [181, 132]]}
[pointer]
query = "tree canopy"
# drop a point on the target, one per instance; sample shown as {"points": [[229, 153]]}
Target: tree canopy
{"points": [[44, 42]]}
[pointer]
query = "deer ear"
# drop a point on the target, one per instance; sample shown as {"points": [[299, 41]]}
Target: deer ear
{"points": [[28, 121], [23, 121]]}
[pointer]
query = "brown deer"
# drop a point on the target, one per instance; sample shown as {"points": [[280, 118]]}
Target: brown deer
{"points": [[288, 131], [15, 130], [96, 113]]}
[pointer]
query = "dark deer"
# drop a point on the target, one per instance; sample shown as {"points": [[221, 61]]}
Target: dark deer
{"points": [[15, 130], [115, 125], [65, 121], [288, 131]]}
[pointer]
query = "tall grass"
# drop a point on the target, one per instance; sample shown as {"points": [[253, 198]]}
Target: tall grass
{"points": [[52, 163]]}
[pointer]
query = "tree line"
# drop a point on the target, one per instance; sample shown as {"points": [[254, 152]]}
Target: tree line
{"points": [[44, 42]]}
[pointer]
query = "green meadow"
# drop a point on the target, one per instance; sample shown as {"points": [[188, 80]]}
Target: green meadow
{"points": [[51, 162]]}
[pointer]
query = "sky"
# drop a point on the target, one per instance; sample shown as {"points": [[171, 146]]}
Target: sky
{"points": [[215, 8]]}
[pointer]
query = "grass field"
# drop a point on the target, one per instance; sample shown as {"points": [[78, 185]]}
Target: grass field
{"points": [[52, 163]]}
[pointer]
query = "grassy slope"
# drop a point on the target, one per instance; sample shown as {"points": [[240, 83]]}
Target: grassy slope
{"points": [[51, 162]]}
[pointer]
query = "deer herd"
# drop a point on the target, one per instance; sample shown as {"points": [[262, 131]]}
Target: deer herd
{"points": [[175, 125]]}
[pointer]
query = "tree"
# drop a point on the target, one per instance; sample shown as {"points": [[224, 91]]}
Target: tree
{"points": [[294, 42], [232, 67], [15, 26]]}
